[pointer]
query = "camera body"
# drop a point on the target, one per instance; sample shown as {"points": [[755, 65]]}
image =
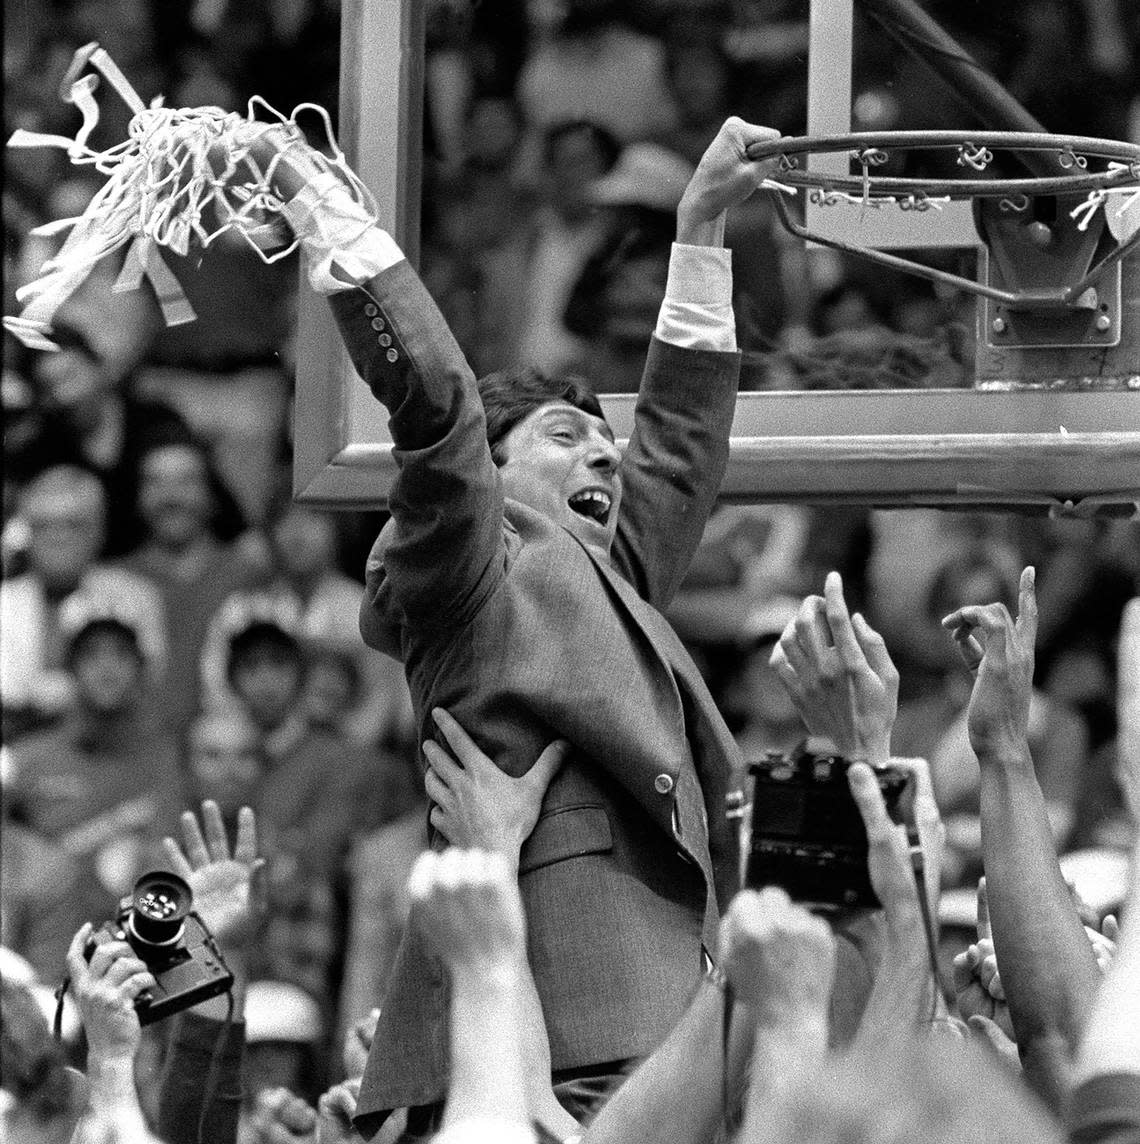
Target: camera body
{"points": [[156, 921], [806, 833]]}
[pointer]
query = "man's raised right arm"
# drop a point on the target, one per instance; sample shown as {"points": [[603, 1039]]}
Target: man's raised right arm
{"points": [[446, 500]]}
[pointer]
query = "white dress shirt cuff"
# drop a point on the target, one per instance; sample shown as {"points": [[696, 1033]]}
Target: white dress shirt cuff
{"points": [[485, 1130], [343, 246], [697, 311]]}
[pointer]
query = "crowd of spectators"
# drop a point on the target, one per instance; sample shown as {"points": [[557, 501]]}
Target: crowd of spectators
{"points": [[173, 630]]}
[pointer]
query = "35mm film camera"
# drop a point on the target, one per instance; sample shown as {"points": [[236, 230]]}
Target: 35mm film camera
{"points": [[806, 833], [157, 922]]}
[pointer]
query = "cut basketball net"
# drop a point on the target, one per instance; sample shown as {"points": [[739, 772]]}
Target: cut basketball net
{"points": [[184, 176]]}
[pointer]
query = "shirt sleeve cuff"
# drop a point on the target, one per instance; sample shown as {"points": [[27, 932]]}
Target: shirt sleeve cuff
{"points": [[343, 245], [697, 310], [701, 275]]}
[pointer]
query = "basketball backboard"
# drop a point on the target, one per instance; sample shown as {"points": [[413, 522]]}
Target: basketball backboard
{"points": [[1066, 447]]}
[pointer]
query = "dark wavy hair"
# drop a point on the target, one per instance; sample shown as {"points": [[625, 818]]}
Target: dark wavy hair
{"points": [[509, 395]]}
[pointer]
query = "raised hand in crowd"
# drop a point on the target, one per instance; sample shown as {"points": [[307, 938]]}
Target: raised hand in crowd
{"points": [[105, 989], [476, 805], [839, 675], [467, 905], [229, 896], [1049, 974], [977, 983], [229, 888], [780, 960]]}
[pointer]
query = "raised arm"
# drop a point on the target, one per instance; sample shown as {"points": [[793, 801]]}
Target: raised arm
{"points": [[1048, 970], [1111, 1040], [447, 503], [677, 454]]}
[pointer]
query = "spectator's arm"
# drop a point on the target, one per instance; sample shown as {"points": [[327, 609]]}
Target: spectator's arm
{"points": [[839, 675], [1111, 1040], [445, 553], [781, 960], [1048, 971], [467, 905], [673, 465], [678, 1092], [229, 896], [477, 805], [904, 993], [105, 990]]}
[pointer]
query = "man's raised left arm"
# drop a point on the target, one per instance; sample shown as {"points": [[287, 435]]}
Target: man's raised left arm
{"points": [[677, 454]]}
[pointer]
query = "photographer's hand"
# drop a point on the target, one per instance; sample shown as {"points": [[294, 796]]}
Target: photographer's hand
{"points": [[105, 989], [840, 676], [904, 993], [476, 804]]}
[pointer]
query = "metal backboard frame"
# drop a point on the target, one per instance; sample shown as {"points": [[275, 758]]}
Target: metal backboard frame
{"points": [[942, 447]]}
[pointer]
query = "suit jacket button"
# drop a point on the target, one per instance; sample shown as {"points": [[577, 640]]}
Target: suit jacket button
{"points": [[392, 356], [377, 323], [663, 784], [371, 310], [385, 340]]}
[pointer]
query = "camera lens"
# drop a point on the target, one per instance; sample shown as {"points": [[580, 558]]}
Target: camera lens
{"points": [[159, 903]]}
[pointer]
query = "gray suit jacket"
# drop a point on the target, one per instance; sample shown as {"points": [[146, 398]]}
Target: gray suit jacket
{"points": [[525, 635]]}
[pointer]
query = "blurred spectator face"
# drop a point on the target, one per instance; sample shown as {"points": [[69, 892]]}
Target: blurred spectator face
{"points": [[757, 693], [64, 511], [268, 681], [174, 495], [575, 158], [633, 298], [332, 684], [698, 79], [108, 669], [224, 762], [493, 131], [847, 309], [305, 543], [73, 382]]}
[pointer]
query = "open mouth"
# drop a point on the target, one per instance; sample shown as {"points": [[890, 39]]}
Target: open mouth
{"points": [[594, 504]]}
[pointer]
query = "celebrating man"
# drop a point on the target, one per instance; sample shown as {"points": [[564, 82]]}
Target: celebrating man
{"points": [[521, 581]]}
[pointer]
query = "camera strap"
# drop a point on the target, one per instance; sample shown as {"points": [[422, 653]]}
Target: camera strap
{"points": [[57, 1021], [918, 865]]}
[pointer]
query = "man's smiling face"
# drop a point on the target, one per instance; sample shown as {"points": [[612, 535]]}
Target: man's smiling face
{"points": [[563, 462]]}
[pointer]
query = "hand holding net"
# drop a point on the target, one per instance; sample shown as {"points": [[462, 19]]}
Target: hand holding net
{"points": [[182, 178]]}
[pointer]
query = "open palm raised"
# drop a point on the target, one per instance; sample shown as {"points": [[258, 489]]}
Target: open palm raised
{"points": [[229, 889]]}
